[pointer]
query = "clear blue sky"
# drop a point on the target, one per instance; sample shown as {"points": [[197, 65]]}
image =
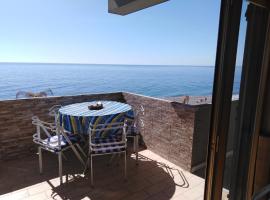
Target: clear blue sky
{"points": [[82, 31]]}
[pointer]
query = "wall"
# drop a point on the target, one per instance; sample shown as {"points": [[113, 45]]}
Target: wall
{"points": [[168, 127], [179, 132], [173, 130], [200, 140], [16, 128]]}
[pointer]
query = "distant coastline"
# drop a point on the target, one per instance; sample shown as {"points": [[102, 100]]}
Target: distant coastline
{"points": [[197, 100]]}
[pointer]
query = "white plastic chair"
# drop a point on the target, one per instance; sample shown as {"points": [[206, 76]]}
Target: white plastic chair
{"points": [[55, 139], [107, 139]]}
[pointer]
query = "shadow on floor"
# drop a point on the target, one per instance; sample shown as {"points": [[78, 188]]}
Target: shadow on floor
{"points": [[149, 179]]}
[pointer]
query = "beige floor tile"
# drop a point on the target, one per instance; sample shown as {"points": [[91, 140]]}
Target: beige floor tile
{"points": [[5, 197], [154, 178], [40, 196], [38, 188], [19, 194]]}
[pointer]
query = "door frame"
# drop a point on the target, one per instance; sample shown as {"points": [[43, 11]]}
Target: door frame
{"points": [[229, 24]]}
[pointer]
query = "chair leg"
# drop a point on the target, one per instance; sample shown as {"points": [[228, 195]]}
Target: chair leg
{"points": [[40, 160], [111, 159], [125, 165], [81, 150], [137, 148], [83, 138], [91, 168], [134, 144], [87, 162], [74, 149], [60, 167], [77, 154], [64, 156]]}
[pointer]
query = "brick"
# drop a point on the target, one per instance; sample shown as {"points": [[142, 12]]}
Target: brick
{"points": [[173, 130]]}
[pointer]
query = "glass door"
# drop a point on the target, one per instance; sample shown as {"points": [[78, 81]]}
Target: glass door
{"points": [[230, 17], [239, 132]]}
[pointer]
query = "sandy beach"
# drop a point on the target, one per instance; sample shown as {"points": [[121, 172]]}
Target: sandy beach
{"points": [[196, 100]]}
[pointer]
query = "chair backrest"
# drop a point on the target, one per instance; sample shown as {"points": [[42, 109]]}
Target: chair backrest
{"points": [[136, 123], [109, 130], [43, 126], [53, 136], [53, 112]]}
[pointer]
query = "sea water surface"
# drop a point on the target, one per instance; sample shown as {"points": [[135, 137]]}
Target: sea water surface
{"points": [[72, 79]]}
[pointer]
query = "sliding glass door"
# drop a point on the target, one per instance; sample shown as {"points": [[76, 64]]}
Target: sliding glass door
{"points": [[238, 165]]}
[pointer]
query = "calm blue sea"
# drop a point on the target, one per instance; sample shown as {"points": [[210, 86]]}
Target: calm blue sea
{"points": [[71, 79]]}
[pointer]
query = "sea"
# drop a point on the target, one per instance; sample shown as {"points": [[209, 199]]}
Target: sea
{"points": [[74, 79]]}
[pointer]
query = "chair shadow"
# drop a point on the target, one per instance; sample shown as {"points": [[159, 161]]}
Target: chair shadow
{"points": [[23, 172], [149, 177]]}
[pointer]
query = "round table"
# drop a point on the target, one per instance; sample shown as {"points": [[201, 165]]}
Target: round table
{"points": [[76, 118]]}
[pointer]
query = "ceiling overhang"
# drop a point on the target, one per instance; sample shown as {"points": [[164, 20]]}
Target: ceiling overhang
{"points": [[124, 7]]}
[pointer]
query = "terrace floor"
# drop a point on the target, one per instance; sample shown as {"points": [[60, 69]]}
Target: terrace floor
{"points": [[154, 178]]}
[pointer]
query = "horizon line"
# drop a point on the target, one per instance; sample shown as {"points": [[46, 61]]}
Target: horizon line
{"points": [[121, 64], [58, 63]]}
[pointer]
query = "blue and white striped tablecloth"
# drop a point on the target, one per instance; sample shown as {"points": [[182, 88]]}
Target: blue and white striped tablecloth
{"points": [[77, 117]]}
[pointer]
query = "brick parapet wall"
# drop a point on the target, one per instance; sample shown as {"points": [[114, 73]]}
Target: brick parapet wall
{"points": [[168, 127], [173, 130], [16, 127]]}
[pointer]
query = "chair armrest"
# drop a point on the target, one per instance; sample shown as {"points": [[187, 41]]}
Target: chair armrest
{"points": [[36, 121]]}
